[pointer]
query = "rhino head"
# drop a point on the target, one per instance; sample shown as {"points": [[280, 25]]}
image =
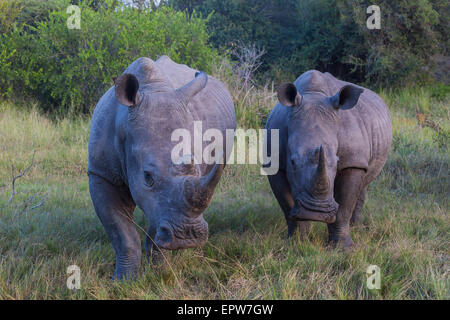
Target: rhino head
{"points": [[173, 196], [312, 160]]}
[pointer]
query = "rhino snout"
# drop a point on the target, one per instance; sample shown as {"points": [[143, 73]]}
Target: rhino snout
{"points": [[300, 212], [172, 236]]}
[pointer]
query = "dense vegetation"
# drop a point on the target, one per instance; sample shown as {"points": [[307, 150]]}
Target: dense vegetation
{"points": [[68, 70], [331, 35]]}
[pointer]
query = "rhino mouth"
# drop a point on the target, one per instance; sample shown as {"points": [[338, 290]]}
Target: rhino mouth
{"points": [[322, 211], [170, 236]]}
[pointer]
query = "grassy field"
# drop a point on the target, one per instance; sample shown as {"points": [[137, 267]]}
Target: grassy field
{"points": [[51, 224]]}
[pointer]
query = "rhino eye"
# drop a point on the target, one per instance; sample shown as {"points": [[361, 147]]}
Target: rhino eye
{"points": [[149, 181], [294, 163]]}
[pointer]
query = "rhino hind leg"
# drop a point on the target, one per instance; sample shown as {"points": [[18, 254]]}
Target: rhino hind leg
{"points": [[114, 207], [282, 191], [347, 189], [356, 219]]}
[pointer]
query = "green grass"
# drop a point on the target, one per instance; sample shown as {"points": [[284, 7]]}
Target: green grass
{"points": [[247, 256]]}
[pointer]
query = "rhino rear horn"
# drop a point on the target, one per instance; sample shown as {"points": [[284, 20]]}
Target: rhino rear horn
{"points": [[195, 86], [127, 89], [198, 191]]}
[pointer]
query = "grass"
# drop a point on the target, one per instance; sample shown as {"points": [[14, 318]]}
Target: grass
{"points": [[247, 256]]}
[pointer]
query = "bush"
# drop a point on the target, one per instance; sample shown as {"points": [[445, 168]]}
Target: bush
{"points": [[9, 11], [269, 24], [400, 53], [35, 11], [322, 40], [68, 70]]}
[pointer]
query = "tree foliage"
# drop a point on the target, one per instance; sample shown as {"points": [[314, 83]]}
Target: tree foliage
{"points": [[401, 52], [331, 35], [68, 70], [41, 58]]}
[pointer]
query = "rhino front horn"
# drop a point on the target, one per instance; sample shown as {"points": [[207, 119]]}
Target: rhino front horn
{"points": [[321, 183], [198, 191]]}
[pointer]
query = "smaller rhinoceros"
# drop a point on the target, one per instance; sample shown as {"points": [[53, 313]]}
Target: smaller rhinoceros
{"points": [[334, 140], [131, 163]]}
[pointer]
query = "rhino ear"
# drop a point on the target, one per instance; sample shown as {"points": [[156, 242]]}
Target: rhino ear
{"points": [[127, 86], [288, 95], [346, 98]]}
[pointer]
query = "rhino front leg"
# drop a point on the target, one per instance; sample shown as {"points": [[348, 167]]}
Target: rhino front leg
{"points": [[347, 188], [281, 189], [356, 216], [114, 207]]}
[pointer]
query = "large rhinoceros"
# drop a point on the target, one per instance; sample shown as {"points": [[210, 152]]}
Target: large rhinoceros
{"points": [[130, 161], [334, 140]]}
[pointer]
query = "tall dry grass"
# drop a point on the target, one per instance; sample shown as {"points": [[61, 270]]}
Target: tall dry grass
{"points": [[247, 256]]}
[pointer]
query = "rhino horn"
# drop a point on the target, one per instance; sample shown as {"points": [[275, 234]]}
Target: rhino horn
{"points": [[199, 190], [195, 86], [321, 182]]}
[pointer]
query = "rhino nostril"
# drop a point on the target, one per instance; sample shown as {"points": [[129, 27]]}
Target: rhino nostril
{"points": [[163, 234]]}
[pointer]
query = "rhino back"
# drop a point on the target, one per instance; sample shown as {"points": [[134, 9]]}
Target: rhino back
{"points": [[213, 105]]}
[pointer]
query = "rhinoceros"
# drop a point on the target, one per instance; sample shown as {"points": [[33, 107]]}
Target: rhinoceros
{"points": [[334, 140], [130, 157]]}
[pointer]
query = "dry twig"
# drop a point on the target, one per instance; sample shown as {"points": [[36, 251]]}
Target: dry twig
{"points": [[19, 175], [249, 61]]}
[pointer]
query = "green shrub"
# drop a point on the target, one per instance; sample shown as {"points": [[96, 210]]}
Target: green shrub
{"points": [[5, 64], [270, 24], [35, 11], [440, 91], [68, 70], [400, 53], [9, 11]]}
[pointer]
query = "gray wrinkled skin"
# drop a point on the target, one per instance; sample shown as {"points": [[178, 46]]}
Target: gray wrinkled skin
{"points": [[130, 157], [334, 140]]}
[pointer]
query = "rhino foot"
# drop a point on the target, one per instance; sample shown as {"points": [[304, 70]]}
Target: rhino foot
{"points": [[345, 243], [127, 268]]}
